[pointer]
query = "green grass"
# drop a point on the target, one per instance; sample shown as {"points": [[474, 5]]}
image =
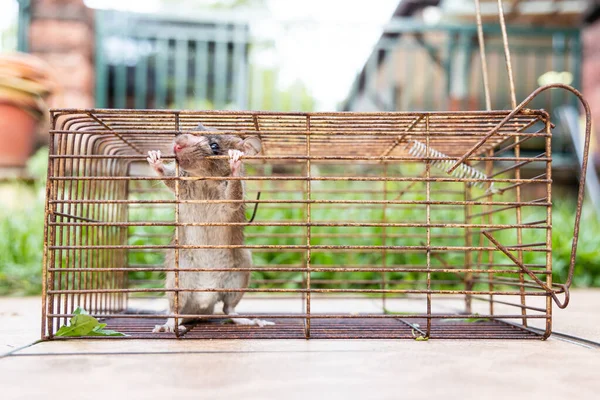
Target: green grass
{"points": [[21, 239], [21, 232]]}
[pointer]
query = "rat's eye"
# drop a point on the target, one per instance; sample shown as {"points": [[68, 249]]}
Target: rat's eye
{"points": [[215, 148]]}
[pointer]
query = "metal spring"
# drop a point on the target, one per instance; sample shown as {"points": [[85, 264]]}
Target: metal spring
{"points": [[419, 149]]}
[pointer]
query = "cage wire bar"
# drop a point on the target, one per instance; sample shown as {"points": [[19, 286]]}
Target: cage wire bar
{"points": [[392, 208], [108, 222]]}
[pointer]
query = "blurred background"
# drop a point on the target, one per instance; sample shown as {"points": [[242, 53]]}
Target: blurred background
{"points": [[285, 55]]}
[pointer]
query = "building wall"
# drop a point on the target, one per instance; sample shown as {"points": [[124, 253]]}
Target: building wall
{"points": [[419, 81], [591, 78], [62, 33]]}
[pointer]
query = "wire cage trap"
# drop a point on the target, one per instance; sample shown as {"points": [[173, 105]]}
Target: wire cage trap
{"points": [[360, 230], [367, 225]]}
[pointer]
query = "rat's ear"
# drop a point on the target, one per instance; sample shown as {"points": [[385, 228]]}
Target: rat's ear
{"points": [[251, 145]]}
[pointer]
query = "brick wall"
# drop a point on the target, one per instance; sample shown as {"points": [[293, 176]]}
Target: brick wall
{"points": [[62, 33], [591, 78]]}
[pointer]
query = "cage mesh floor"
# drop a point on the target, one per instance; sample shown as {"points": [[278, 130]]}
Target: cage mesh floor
{"points": [[328, 328]]}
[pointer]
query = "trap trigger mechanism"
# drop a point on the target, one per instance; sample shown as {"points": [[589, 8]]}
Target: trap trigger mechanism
{"points": [[443, 162]]}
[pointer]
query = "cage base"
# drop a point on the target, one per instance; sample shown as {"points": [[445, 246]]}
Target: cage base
{"points": [[328, 328]]}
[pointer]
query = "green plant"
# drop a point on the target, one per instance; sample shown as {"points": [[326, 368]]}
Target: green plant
{"points": [[83, 324], [587, 266], [21, 239], [21, 231]]}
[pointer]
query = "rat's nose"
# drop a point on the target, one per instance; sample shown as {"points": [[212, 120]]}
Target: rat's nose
{"points": [[180, 142]]}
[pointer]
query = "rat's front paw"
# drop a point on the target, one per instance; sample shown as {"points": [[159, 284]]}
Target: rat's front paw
{"points": [[235, 161], [155, 161]]}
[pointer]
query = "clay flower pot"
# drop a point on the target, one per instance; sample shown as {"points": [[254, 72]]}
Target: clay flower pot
{"points": [[17, 131], [25, 84]]}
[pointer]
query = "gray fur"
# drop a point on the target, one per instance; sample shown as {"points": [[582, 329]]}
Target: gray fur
{"points": [[201, 127], [193, 163]]}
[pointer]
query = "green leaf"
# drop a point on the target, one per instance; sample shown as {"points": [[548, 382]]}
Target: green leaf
{"points": [[79, 311], [83, 324], [80, 325], [99, 327], [421, 338], [105, 332]]}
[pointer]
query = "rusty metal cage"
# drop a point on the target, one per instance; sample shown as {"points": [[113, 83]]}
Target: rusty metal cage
{"points": [[369, 225]]}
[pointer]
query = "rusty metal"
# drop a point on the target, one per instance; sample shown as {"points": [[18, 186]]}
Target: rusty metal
{"points": [[350, 213], [330, 328], [563, 288], [307, 277], [511, 81], [484, 66], [176, 236]]}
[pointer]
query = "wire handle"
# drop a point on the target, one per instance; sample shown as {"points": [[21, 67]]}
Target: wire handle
{"points": [[581, 192], [550, 291]]}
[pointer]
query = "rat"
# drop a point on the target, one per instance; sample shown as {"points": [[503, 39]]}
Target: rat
{"points": [[191, 152]]}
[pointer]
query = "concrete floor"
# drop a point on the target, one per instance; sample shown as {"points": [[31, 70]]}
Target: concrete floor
{"points": [[291, 369]]}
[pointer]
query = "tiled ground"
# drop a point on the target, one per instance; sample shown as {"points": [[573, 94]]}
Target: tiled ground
{"points": [[296, 368]]}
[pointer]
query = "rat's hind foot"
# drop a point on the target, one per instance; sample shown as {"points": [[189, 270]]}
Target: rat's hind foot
{"points": [[235, 161], [169, 327], [246, 321], [254, 322], [155, 161]]}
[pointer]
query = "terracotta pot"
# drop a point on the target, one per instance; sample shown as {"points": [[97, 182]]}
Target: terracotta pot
{"points": [[17, 130]]}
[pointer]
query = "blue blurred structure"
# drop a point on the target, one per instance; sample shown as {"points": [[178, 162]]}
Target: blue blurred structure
{"points": [[428, 59], [149, 61], [433, 63]]}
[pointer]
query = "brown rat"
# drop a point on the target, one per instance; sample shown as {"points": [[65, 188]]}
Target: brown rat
{"points": [[191, 152]]}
